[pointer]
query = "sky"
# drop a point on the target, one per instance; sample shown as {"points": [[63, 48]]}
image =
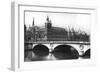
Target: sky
{"points": [[63, 20]]}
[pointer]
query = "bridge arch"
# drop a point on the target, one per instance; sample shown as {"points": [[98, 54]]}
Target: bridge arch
{"points": [[76, 46], [47, 45], [41, 50], [65, 52]]}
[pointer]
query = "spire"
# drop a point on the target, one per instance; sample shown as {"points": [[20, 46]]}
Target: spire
{"points": [[47, 18], [33, 22]]}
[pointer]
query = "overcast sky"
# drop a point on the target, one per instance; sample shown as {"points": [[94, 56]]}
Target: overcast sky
{"points": [[78, 21]]}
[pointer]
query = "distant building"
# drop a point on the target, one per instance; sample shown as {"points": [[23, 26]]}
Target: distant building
{"points": [[50, 33]]}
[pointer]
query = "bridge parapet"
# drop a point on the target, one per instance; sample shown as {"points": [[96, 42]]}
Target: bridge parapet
{"points": [[58, 42]]}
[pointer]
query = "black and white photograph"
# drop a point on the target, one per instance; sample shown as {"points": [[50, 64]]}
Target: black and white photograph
{"points": [[53, 36], [50, 35]]}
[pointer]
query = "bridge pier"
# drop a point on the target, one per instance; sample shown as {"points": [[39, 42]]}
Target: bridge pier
{"points": [[51, 47]]}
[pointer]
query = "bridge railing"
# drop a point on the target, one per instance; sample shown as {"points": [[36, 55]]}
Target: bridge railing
{"points": [[58, 42]]}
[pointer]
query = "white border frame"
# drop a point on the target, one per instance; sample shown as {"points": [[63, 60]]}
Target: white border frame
{"points": [[17, 54]]}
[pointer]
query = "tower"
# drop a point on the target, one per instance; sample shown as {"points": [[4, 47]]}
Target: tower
{"points": [[48, 24]]}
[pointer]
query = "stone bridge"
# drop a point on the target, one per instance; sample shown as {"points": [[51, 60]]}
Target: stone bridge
{"points": [[51, 45]]}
